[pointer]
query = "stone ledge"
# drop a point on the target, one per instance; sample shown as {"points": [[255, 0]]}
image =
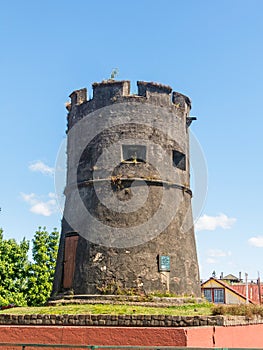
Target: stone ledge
{"points": [[128, 320], [242, 320], [112, 320]]}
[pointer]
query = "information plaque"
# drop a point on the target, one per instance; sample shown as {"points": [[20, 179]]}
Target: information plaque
{"points": [[164, 263]]}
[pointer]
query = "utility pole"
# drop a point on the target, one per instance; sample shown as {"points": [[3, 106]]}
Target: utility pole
{"points": [[259, 289], [246, 287]]}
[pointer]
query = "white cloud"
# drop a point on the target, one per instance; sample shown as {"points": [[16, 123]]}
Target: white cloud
{"points": [[41, 167], [40, 206], [256, 241], [210, 223], [218, 253]]}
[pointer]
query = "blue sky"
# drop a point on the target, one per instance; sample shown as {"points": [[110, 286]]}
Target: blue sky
{"points": [[211, 51]]}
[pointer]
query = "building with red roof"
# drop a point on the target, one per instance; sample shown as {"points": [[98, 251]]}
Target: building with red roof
{"points": [[220, 292]]}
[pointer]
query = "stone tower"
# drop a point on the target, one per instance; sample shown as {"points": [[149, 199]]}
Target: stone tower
{"points": [[127, 220]]}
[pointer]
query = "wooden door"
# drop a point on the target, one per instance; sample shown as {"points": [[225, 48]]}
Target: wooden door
{"points": [[71, 243]]}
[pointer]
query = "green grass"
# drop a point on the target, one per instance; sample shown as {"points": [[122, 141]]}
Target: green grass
{"points": [[204, 309], [182, 310]]}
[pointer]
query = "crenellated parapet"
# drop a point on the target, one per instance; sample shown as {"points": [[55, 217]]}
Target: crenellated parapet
{"points": [[110, 91]]}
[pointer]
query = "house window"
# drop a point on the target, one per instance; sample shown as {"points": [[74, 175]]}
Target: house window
{"points": [[219, 296], [215, 295], [179, 160], [134, 153], [208, 294]]}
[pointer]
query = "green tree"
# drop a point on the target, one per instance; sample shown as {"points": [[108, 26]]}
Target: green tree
{"points": [[13, 271], [41, 270]]}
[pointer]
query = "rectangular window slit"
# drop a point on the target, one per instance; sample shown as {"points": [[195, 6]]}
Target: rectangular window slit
{"points": [[134, 153], [179, 160]]}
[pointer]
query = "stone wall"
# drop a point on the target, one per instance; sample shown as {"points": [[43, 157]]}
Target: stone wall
{"points": [[112, 320], [128, 320]]}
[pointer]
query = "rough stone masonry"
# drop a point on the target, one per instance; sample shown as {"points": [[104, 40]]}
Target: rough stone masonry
{"points": [[127, 225]]}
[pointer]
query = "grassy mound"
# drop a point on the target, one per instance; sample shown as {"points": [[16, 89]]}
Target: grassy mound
{"points": [[203, 309]]}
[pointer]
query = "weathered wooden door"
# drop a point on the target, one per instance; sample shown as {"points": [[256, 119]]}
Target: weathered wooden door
{"points": [[71, 243]]}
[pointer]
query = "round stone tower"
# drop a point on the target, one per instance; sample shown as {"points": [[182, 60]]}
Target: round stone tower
{"points": [[127, 222]]}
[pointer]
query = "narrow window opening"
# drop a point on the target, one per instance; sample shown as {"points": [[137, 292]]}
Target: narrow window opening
{"points": [[179, 160], [134, 153]]}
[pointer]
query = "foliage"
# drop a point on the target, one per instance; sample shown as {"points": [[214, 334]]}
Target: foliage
{"points": [[247, 310], [41, 271], [13, 271], [109, 309], [23, 282], [114, 73]]}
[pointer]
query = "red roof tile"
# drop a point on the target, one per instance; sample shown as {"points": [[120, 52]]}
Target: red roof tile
{"points": [[252, 290]]}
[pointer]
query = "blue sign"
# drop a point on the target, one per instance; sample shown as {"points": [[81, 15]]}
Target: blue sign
{"points": [[164, 263]]}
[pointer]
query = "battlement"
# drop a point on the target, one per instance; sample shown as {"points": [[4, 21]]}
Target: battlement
{"points": [[78, 96], [112, 91], [178, 98], [109, 89], [147, 88]]}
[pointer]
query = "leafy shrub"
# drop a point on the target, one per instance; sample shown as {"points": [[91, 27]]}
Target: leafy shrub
{"points": [[238, 310]]}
